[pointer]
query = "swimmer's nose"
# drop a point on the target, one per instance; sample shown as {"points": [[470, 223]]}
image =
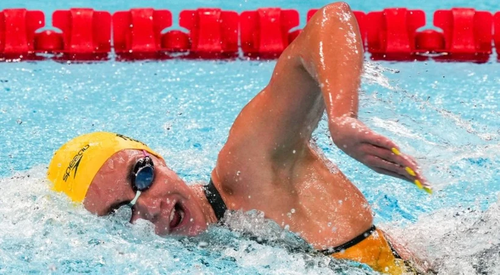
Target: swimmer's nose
{"points": [[149, 204], [146, 208]]}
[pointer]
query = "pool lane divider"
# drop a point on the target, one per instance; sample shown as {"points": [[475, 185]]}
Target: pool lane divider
{"points": [[210, 33]]}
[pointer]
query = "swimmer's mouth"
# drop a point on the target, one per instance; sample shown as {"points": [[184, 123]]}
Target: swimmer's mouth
{"points": [[176, 216]]}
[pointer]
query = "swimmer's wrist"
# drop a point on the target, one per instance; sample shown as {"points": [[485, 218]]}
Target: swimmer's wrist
{"points": [[336, 122]]}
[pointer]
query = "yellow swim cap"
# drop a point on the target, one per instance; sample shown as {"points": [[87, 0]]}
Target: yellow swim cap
{"points": [[75, 164]]}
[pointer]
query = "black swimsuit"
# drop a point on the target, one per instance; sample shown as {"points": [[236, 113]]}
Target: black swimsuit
{"points": [[350, 243], [215, 200]]}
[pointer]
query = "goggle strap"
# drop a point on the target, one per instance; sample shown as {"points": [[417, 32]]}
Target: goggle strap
{"points": [[134, 201]]}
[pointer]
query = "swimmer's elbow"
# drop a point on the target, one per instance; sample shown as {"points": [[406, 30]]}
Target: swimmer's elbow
{"points": [[333, 10], [335, 19]]}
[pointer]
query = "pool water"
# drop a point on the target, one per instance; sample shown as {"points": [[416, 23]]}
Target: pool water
{"points": [[445, 114]]}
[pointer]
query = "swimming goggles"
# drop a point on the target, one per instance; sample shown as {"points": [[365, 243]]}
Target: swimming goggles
{"points": [[142, 176]]}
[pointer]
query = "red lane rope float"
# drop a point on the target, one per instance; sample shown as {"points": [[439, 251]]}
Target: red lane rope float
{"points": [[213, 33], [265, 33], [467, 33], [391, 34], [86, 35], [17, 32], [496, 34], [137, 33]]}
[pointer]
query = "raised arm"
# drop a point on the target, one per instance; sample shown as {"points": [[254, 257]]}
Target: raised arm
{"points": [[320, 70], [336, 66]]}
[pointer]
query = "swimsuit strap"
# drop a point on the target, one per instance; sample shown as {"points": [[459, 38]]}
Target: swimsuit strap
{"points": [[215, 200], [350, 243]]}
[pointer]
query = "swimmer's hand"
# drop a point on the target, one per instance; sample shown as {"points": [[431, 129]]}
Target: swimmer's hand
{"points": [[375, 151]]}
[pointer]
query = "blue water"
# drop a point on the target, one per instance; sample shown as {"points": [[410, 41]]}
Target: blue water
{"points": [[445, 114]]}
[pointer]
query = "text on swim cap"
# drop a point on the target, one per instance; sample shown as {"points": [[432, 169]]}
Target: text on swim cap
{"points": [[130, 139], [75, 162]]}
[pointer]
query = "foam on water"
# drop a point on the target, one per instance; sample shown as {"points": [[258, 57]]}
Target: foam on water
{"points": [[456, 240]]}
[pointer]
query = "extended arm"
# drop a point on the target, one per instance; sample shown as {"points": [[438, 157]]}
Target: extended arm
{"points": [[320, 70], [335, 61]]}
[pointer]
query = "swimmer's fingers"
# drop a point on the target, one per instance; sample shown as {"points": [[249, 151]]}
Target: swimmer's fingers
{"points": [[388, 150], [401, 160], [379, 141], [385, 143], [412, 169], [389, 168]]}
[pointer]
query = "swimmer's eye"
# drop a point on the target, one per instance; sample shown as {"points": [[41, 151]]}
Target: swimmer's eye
{"points": [[141, 177], [143, 173]]}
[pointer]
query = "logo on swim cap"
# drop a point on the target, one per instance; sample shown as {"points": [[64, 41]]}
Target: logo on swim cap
{"points": [[131, 139], [73, 165]]}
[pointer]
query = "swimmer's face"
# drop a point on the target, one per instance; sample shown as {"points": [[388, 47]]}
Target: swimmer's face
{"points": [[169, 203]]}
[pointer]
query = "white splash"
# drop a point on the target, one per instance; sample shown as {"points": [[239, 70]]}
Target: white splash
{"points": [[456, 240], [374, 74]]}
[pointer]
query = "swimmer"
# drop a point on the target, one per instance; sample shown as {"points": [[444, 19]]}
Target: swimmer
{"points": [[268, 163]]}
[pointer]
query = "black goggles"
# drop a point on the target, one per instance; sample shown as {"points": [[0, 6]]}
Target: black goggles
{"points": [[142, 176]]}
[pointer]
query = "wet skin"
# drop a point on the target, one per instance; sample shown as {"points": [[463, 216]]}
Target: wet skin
{"points": [[269, 162], [171, 205]]}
